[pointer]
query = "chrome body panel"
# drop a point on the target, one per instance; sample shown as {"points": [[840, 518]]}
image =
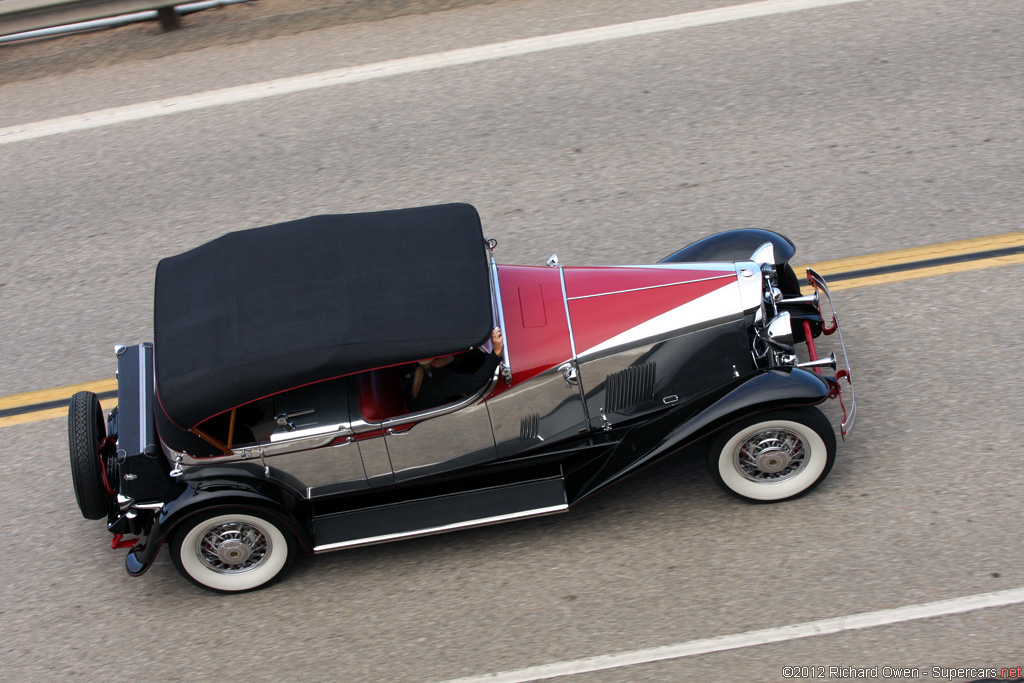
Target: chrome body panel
{"points": [[376, 463], [751, 286], [428, 441], [544, 408], [369, 439], [334, 468], [306, 464], [457, 439], [677, 370]]}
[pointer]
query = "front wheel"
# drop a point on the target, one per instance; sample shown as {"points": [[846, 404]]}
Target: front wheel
{"points": [[774, 456], [231, 551]]}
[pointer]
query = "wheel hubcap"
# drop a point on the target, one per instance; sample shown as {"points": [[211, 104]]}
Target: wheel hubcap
{"points": [[233, 547], [771, 455], [773, 461]]}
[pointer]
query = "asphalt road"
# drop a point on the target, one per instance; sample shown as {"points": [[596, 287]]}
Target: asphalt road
{"points": [[853, 129]]}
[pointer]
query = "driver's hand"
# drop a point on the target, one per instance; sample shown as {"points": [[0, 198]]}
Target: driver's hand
{"points": [[498, 341]]}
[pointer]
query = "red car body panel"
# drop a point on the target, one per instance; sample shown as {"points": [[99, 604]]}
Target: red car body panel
{"points": [[536, 329], [606, 302], [603, 302]]}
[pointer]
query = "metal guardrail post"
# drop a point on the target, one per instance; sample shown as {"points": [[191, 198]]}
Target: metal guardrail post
{"points": [[169, 19], [20, 16]]}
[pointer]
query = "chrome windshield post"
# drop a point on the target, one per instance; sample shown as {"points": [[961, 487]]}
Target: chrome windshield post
{"points": [[498, 314]]}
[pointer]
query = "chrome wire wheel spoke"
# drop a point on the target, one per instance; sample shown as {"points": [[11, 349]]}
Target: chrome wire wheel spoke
{"points": [[771, 455], [231, 551], [233, 547]]}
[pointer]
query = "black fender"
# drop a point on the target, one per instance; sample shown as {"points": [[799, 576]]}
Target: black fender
{"points": [[734, 245], [770, 390], [680, 427], [222, 488], [739, 245]]}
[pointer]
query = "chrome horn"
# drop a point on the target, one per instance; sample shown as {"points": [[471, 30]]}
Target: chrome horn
{"points": [[806, 299], [829, 362]]}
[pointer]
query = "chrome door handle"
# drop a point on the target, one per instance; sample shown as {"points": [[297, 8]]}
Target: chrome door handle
{"points": [[570, 373]]}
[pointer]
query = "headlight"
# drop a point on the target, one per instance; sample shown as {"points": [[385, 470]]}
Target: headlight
{"points": [[780, 332], [764, 255]]}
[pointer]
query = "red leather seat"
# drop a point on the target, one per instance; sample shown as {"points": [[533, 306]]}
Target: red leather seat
{"points": [[380, 393]]}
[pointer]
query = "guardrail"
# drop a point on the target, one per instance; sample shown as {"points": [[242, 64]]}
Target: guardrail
{"points": [[20, 16]]}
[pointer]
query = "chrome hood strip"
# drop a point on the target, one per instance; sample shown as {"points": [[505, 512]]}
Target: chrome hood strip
{"points": [[642, 289], [724, 303]]}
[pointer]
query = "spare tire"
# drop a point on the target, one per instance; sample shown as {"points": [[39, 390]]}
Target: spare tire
{"points": [[86, 432]]}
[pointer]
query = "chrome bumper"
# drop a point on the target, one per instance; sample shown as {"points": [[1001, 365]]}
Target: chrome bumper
{"points": [[849, 412]]}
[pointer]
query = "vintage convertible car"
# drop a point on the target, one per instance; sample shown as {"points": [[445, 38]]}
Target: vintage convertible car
{"points": [[271, 414]]}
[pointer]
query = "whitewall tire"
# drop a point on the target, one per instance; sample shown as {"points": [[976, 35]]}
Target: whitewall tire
{"points": [[774, 456], [230, 552]]}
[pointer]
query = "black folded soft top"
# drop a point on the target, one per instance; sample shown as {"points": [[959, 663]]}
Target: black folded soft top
{"points": [[260, 311]]}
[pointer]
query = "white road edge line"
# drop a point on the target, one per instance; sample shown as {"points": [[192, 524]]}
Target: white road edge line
{"points": [[853, 622], [408, 65]]}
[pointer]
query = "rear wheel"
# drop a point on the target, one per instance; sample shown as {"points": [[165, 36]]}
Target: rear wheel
{"points": [[86, 432], [232, 551], [774, 456]]}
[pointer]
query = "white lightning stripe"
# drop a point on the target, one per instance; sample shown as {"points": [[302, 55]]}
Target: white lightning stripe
{"points": [[853, 622], [395, 67], [641, 289], [720, 303]]}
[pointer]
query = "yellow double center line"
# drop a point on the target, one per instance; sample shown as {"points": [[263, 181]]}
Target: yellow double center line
{"points": [[849, 273], [36, 406], [920, 262]]}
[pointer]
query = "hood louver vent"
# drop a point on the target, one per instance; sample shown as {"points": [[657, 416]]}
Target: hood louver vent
{"points": [[630, 388], [529, 427]]}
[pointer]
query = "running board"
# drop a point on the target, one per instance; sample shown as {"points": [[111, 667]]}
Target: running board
{"points": [[437, 515]]}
